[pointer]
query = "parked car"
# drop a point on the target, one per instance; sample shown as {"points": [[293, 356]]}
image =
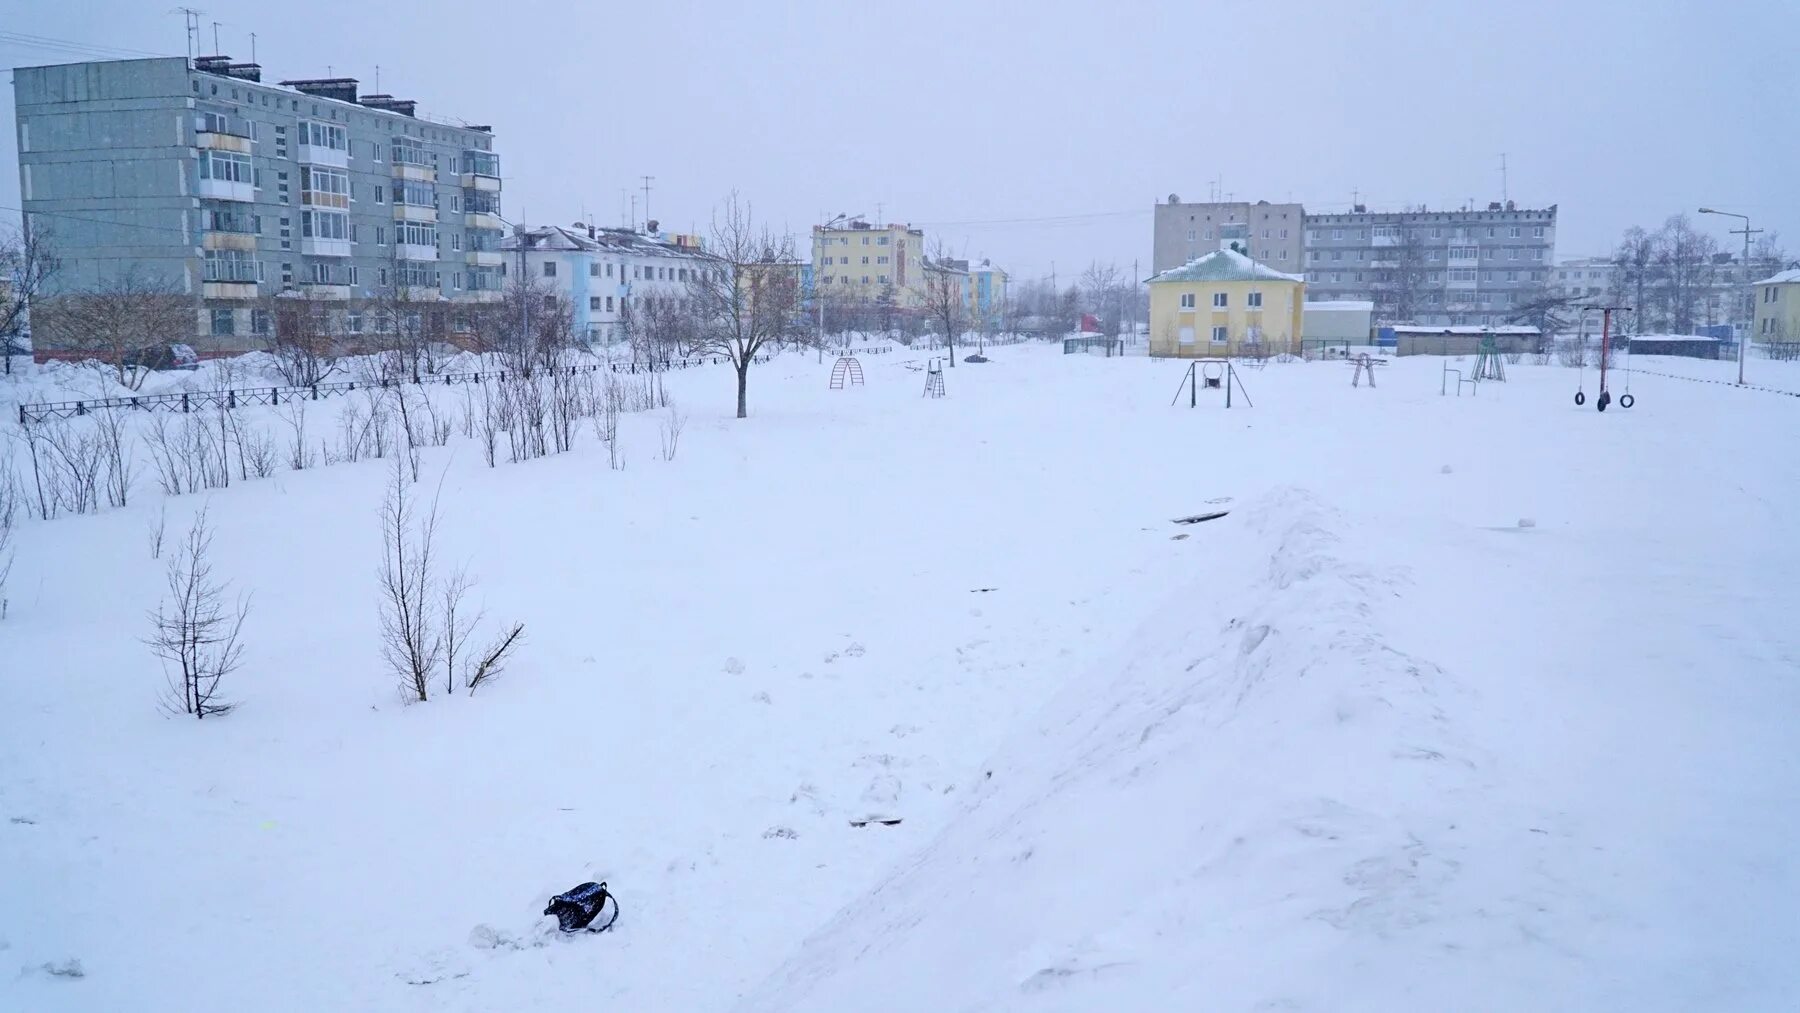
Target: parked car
{"points": [[163, 357]]}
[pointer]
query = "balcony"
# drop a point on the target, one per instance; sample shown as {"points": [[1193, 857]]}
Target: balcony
{"points": [[226, 189], [420, 293], [482, 219], [311, 246], [486, 258], [419, 173], [219, 140], [415, 213], [324, 290], [409, 251], [480, 183], [479, 296], [314, 154], [228, 290], [228, 240]]}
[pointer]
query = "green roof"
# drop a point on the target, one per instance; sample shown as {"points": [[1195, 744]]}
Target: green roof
{"points": [[1223, 265]]}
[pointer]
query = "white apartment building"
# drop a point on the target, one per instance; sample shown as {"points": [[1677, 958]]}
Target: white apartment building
{"points": [[606, 272]]}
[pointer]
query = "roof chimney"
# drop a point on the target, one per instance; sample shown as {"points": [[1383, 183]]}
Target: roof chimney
{"points": [[341, 89]]}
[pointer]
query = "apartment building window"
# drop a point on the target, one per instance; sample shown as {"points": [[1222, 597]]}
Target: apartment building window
{"points": [[322, 135], [222, 324], [1512, 276], [1187, 300], [1281, 256], [415, 194], [1537, 254], [881, 260], [380, 235], [225, 165], [1209, 234], [1265, 233], [593, 270], [1337, 254], [1219, 300], [1512, 232], [380, 194], [1254, 300], [1191, 234], [1461, 274], [1492, 232], [593, 303], [1284, 232], [549, 268], [321, 273], [259, 321], [865, 260], [353, 278], [1218, 335], [1434, 254], [287, 274], [1493, 251], [881, 241], [609, 268], [865, 240], [1312, 235], [609, 304], [1537, 232], [456, 241], [1464, 253], [417, 234], [383, 277], [882, 278], [456, 204], [324, 224], [1437, 233], [1337, 233], [865, 279]]}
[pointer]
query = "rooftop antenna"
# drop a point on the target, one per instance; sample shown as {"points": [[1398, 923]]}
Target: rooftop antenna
{"points": [[622, 192], [215, 25], [647, 180], [190, 23], [634, 212], [1503, 193], [378, 79], [878, 206], [252, 47]]}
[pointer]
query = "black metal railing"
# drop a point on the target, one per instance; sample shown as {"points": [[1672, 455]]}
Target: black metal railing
{"points": [[196, 400]]}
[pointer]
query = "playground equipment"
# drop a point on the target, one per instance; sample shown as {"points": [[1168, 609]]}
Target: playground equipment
{"points": [[934, 379], [1444, 381], [1605, 398], [1365, 365], [1214, 376], [1488, 365], [846, 371]]}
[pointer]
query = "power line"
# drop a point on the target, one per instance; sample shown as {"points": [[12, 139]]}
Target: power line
{"points": [[102, 221], [69, 45], [1038, 220]]}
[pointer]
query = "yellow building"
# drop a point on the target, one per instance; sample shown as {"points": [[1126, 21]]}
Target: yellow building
{"points": [[863, 261], [1777, 308], [1222, 303]]}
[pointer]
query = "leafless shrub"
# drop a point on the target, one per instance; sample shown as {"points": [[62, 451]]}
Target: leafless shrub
{"points": [[458, 622], [493, 659], [411, 642], [77, 458], [118, 456], [299, 455], [352, 427], [256, 449], [156, 530], [490, 421], [565, 408], [606, 425], [671, 433], [1572, 352], [195, 632]]}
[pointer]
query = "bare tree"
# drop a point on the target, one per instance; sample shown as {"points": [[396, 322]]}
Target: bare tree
{"points": [[195, 632], [27, 263], [1402, 286], [492, 660], [945, 299], [411, 641], [1634, 264], [1685, 262], [1100, 289], [118, 321], [299, 334], [738, 309]]}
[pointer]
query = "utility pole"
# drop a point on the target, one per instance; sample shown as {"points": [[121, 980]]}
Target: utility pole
{"points": [[1749, 292]]}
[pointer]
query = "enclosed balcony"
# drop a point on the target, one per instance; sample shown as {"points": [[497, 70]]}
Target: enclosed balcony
{"points": [[481, 171], [322, 144], [227, 227], [225, 175]]}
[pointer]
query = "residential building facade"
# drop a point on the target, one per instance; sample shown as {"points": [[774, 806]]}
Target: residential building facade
{"points": [[987, 293], [607, 274], [199, 176], [1225, 304], [870, 262], [1451, 268], [1263, 231], [1777, 308], [1586, 279]]}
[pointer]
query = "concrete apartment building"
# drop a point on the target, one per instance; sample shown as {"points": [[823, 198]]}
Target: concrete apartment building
{"points": [[234, 191], [607, 273], [863, 261], [1449, 268], [1777, 308], [1263, 231]]}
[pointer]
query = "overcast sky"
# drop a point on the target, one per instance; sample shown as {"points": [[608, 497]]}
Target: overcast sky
{"points": [[1043, 134]]}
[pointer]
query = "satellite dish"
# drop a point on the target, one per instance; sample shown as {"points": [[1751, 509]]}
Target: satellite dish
{"points": [[1174, 198]]}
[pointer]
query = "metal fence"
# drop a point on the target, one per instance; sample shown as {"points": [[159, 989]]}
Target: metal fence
{"points": [[1106, 346], [195, 400]]}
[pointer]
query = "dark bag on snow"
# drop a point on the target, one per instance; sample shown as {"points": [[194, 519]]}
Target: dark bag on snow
{"points": [[577, 909]]}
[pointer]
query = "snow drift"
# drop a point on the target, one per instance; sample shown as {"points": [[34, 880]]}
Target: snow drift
{"points": [[1252, 806]]}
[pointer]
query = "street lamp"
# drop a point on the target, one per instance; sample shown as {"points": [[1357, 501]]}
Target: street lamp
{"points": [[818, 294], [1749, 293]]}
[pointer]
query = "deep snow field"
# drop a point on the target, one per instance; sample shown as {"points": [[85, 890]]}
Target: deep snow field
{"points": [[1365, 743]]}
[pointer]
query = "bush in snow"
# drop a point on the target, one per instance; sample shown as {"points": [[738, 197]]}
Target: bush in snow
{"points": [[195, 632]]}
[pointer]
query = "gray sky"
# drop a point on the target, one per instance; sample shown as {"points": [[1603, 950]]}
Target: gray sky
{"points": [[965, 117]]}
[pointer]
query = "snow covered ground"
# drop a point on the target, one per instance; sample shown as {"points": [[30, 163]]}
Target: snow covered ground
{"points": [[1366, 742]]}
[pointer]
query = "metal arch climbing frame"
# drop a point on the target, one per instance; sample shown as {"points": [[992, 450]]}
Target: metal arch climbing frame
{"points": [[1365, 366], [934, 379], [846, 372]]}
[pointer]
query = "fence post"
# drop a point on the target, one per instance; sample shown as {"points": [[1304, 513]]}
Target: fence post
{"points": [[315, 392], [274, 395], [184, 403], [231, 399]]}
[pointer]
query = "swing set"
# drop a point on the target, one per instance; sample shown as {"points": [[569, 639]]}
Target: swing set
{"points": [[1212, 376], [1605, 398]]}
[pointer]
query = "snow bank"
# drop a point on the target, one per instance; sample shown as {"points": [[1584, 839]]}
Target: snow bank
{"points": [[1252, 806]]}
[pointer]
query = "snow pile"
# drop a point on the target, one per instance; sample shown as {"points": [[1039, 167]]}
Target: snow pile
{"points": [[1262, 782]]}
